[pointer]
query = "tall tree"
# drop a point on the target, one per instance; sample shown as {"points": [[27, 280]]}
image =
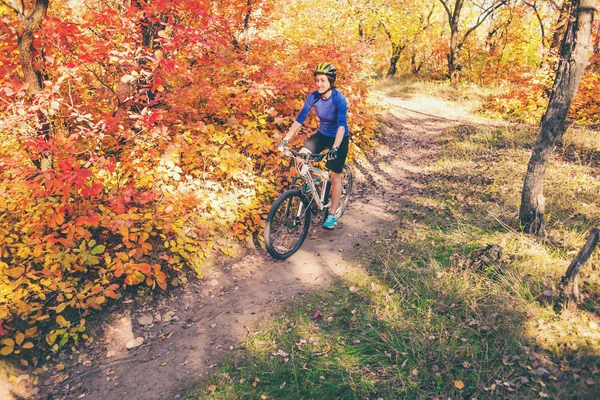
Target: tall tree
{"points": [[575, 52], [457, 40]]}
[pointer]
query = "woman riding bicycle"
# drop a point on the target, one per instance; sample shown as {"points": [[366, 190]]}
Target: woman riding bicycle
{"points": [[333, 133]]}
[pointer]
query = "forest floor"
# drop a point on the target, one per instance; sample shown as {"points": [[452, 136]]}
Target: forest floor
{"points": [[160, 348]]}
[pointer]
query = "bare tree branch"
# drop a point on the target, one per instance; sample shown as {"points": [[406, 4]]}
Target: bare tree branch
{"points": [[447, 8], [480, 20], [539, 18]]}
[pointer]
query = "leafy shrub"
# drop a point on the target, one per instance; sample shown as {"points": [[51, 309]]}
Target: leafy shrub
{"points": [[161, 141]]}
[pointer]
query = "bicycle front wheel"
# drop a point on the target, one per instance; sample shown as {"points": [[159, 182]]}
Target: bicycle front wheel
{"points": [[287, 224]]}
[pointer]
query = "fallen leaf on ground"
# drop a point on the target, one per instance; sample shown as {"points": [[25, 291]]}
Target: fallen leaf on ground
{"points": [[133, 343]]}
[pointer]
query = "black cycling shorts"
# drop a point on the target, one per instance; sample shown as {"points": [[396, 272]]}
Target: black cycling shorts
{"points": [[319, 142]]}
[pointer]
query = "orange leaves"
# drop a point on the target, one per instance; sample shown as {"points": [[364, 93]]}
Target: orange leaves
{"points": [[149, 166], [110, 291], [15, 273], [135, 278], [143, 268]]}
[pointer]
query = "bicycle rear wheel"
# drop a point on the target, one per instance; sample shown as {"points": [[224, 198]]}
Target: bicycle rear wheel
{"points": [[347, 181], [287, 224]]}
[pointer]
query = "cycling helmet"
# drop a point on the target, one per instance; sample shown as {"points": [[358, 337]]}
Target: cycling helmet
{"points": [[326, 69]]}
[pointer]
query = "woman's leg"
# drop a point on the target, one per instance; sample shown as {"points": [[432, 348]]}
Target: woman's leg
{"points": [[335, 174], [314, 144], [336, 190]]}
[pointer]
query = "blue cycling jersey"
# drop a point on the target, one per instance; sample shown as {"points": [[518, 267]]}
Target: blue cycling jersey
{"points": [[332, 112]]}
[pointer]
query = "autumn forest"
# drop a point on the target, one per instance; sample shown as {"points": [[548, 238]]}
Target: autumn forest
{"points": [[138, 138]]}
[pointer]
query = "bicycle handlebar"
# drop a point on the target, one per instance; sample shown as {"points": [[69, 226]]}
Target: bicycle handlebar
{"points": [[307, 156]]}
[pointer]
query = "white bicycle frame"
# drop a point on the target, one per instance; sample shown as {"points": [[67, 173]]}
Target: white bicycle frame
{"points": [[309, 173]]}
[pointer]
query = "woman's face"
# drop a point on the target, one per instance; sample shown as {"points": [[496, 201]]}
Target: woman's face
{"points": [[322, 83]]}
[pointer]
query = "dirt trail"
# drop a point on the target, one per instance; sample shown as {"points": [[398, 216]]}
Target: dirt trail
{"points": [[195, 326]]}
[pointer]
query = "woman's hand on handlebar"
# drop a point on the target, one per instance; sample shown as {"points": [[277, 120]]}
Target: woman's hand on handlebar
{"points": [[283, 145]]}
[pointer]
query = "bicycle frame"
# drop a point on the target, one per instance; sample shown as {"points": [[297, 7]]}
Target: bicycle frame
{"points": [[308, 172]]}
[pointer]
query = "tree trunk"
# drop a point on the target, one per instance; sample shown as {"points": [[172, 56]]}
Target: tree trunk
{"points": [[396, 52], [25, 43], [453, 68], [453, 14], [33, 78], [569, 284], [574, 56], [415, 66], [561, 25]]}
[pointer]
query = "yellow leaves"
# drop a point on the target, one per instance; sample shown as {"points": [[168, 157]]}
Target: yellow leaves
{"points": [[60, 320], [19, 337], [60, 308], [228, 252], [8, 348], [51, 338], [29, 333], [146, 181], [10, 345], [27, 345], [459, 384], [227, 165], [123, 230], [15, 272]]}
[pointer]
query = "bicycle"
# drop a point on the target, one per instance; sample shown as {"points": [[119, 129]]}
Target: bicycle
{"points": [[289, 219]]}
